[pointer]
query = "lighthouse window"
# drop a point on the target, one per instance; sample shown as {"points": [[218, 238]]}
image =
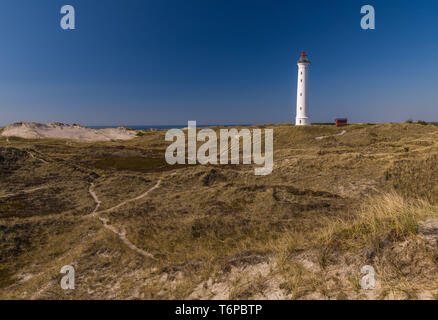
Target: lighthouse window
{"points": [[301, 94], [301, 80], [301, 72], [301, 108]]}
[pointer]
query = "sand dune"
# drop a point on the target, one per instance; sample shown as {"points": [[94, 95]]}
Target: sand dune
{"points": [[31, 130]]}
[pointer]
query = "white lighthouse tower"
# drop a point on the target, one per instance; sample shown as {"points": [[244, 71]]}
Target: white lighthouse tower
{"points": [[302, 92]]}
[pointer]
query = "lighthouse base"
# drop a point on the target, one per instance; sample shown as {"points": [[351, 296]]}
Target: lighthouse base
{"points": [[302, 121]]}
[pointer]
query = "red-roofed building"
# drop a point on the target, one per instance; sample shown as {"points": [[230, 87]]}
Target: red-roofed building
{"points": [[341, 122]]}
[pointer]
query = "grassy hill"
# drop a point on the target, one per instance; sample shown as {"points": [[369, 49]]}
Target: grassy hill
{"points": [[367, 196]]}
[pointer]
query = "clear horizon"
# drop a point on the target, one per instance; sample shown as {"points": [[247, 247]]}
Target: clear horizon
{"points": [[217, 62], [168, 126]]}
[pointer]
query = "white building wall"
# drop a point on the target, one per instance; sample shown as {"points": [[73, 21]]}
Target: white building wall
{"points": [[302, 118]]}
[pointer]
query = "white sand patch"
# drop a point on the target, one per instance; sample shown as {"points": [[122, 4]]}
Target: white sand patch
{"points": [[338, 134], [31, 130]]}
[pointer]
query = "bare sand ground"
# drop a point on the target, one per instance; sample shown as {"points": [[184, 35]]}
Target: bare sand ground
{"points": [[31, 130]]}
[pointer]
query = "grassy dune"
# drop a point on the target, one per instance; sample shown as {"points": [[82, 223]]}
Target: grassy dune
{"points": [[331, 206]]}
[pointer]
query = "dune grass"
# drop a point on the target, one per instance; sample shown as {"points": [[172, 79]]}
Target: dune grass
{"points": [[384, 217], [326, 203]]}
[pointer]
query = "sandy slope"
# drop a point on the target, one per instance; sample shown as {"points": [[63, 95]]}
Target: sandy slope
{"points": [[31, 130]]}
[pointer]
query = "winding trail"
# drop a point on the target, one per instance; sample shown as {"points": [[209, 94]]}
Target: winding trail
{"points": [[333, 135], [19, 193], [121, 234], [34, 157]]}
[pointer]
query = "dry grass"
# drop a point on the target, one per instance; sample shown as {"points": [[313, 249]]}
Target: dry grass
{"points": [[303, 232], [388, 216]]}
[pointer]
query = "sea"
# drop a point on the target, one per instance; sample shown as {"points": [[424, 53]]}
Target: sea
{"points": [[160, 127]]}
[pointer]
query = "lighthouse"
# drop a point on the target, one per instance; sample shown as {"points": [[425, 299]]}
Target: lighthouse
{"points": [[302, 118]]}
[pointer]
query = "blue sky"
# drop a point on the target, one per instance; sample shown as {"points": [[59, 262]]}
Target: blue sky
{"points": [[141, 62]]}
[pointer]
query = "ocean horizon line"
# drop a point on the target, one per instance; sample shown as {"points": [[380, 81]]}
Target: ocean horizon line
{"points": [[145, 127]]}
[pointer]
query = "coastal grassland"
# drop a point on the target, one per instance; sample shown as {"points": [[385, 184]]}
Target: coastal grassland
{"points": [[330, 206], [395, 235]]}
